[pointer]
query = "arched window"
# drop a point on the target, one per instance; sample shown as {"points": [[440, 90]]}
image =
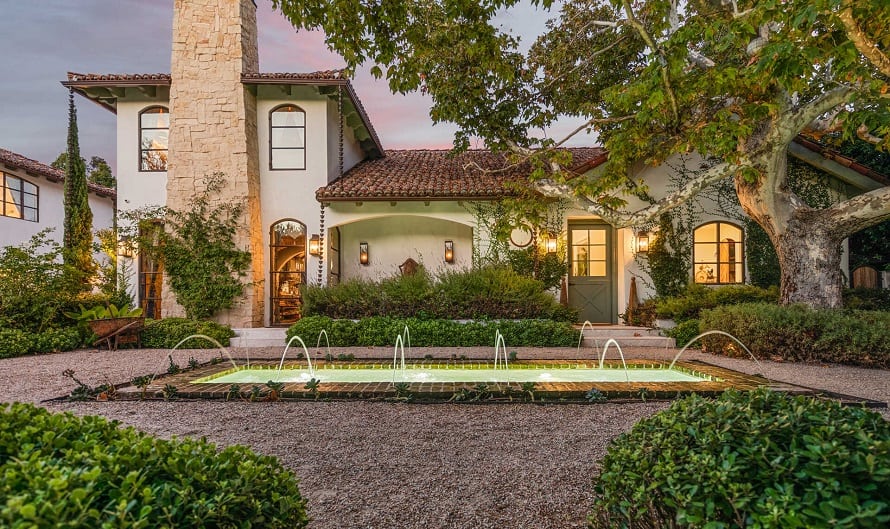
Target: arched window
{"points": [[154, 129], [287, 138], [19, 198], [717, 254], [287, 259]]}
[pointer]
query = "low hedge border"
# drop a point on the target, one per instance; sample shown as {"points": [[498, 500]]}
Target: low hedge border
{"points": [[15, 342], [58, 470], [748, 459], [799, 334], [382, 331], [166, 333]]}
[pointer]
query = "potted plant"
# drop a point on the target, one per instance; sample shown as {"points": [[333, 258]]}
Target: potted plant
{"points": [[110, 321]]}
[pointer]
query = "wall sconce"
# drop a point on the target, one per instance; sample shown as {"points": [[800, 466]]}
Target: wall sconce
{"points": [[125, 247], [550, 243], [449, 251], [363, 253], [314, 245], [642, 242]]}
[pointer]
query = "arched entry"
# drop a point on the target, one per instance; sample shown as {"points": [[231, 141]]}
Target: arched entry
{"points": [[287, 274]]}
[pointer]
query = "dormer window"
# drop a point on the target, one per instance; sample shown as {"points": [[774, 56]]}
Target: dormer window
{"points": [[154, 129], [19, 198], [287, 138]]}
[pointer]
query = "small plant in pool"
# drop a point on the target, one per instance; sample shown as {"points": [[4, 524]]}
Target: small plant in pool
{"points": [[216, 360], [403, 391], [234, 391], [595, 396], [528, 390], [173, 368], [193, 363], [255, 393], [312, 386], [275, 389], [513, 356], [644, 393], [84, 391], [169, 392]]}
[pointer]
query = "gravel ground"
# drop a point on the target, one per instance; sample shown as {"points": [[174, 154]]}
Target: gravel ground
{"points": [[370, 465]]}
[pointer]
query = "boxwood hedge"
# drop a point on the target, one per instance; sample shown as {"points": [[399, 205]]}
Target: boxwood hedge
{"points": [[382, 331], [58, 470], [167, 332], [748, 459]]}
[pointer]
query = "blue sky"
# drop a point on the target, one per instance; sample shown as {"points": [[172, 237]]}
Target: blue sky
{"points": [[44, 39]]}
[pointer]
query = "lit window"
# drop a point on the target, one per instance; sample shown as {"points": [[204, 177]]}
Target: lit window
{"points": [[19, 198], [154, 129], [717, 254], [287, 138]]}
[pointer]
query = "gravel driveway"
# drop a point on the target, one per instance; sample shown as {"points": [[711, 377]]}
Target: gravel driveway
{"points": [[385, 465]]}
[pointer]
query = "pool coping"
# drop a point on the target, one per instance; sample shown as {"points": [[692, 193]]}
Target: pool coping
{"points": [[721, 379]]}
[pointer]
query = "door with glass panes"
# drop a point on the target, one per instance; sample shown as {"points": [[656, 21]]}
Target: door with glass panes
{"points": [[591, 272]]}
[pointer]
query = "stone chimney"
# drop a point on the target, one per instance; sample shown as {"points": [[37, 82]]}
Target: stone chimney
{"points": [[214, 128]]}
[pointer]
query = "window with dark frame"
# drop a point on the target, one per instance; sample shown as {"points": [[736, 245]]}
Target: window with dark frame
{"points": [[287, 138], [20, 198], [151, 273], [154, 132], [718, 257]]}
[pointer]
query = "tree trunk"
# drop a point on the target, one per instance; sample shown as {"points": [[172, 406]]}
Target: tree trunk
{"points": [[810, 259]]}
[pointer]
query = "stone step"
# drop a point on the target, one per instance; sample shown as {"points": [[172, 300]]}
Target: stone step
{"points": [[259, 337], [616, 331], [662, 342]]}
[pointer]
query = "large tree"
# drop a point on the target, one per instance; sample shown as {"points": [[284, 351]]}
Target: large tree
{"points": [[734, 80]]}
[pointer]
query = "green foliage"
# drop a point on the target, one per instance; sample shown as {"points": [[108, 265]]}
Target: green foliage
{"points": [[98, 170], [684, 332], [642, 316], [763, 262], [35, 285], [595, 396], [201, 260], [167, 332], [382, 331], [695, 298], [800, 334], [78, 236], [548, 268], [65, 471], [748, 459], [867, 299], [489, 292], [16, 342], [669, 257], [869, 247], [99, 312]]}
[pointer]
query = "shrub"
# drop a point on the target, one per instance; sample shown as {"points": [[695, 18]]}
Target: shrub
{"points": [[490, 292], [65, 471], [748, 459], [382, 331], [684, 332], [15, 342], [697, 297], [166, 333], [798, 333], [867, 299]]}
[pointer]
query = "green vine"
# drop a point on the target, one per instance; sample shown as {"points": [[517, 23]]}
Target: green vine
{"points": [[202, 263]]}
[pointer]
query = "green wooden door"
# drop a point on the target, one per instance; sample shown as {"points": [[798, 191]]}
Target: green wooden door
{"points": [[592, 271]]}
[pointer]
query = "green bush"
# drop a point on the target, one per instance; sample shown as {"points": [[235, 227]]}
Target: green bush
{"points": [[490, 292], [59, 470], [15, 342], [684, 332], [166, 333], [382, 331], [867, 299], [748, 459], [697, 297], [800, 334]]}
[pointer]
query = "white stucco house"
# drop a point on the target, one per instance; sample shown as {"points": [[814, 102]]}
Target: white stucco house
{"points": [[33, 200], [325, 201]]}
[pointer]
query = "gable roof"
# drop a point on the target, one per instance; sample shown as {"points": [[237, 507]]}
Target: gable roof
{"points": [[438, 175], [18, 162], [105, 89]]}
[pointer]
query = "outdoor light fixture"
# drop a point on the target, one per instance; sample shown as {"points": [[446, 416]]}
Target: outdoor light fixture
{"points": [[550, 243], [449, 251], [363, 253], [642, 242], [314, 245]]}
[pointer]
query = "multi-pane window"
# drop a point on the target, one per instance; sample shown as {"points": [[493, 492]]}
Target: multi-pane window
{"points": [[154, 130], [151, 272], [288, 270], [287, 138], [19, 198], [588, 252], [717, 254]]}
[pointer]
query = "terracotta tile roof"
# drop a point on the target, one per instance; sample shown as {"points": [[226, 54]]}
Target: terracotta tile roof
{"points": [[830, 154], [436, 175], [18, 162], [289, 76], [144, 78]]}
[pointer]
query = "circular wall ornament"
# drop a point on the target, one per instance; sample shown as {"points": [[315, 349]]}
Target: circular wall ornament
{"points": [[521, 237]]}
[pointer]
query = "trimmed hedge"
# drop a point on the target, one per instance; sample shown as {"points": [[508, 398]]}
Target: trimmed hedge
{"points": [[58, 470], [867, 299], [748, 459], [15, 342], [800, 334], [166, 333], [382, 331], [491, 292], [690, 303]]}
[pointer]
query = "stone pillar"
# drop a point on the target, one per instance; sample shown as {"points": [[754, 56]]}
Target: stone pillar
{"points": [[214, 128]]}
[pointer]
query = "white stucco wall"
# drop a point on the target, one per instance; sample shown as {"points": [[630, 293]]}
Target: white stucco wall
{"points": [[352, 152], [51, 212], [135, 189]]}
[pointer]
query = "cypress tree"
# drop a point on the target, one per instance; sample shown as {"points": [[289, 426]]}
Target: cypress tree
{"points": [[78, 238]]}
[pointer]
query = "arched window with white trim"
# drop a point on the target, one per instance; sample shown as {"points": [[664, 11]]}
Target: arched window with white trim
{"points": [[718, 254], [154, 138], [287, 138]]}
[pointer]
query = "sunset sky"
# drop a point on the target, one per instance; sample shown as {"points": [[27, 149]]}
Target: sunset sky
{"points": [[44, 39]]}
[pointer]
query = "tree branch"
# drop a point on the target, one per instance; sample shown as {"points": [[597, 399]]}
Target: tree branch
{"points": [[799, 119], [860, 212], [621, 219], [863, 43]]}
